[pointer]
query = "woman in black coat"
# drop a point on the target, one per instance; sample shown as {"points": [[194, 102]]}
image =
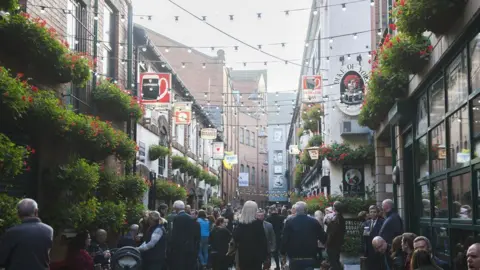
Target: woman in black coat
{"points": [[219, 239], [250, 239]]}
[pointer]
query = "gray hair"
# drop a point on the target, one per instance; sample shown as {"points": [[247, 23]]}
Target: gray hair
{"points": [[294, 206], [154, 216], [423, 238], [134, 228], [27, 208], [388, 202], [249, 212], [301, 207], [179, 205]]}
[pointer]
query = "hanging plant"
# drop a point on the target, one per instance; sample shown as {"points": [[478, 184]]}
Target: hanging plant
{"points": [[157, 151], [111, 216], [344, 153], [9, 5], [315, 140], [132, 188], [214, 181], [178, 162], [115, 102], [79, 216], [8, 210], [13, 158], [298, 175], [92, 137], [134, 212], [311, 115], [306, 160], [416, 17], [169, 191], [36, 51], [80, 178], [383, 89], [15, 94], [405, 53]]}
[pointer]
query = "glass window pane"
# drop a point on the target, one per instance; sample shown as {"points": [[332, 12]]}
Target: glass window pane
{"points": [[461, 240], [457, 86], [422, 115], [475, 62], [253, 175], [247, 137], [476, 125], [458, 130], [440, 243], [438, 154], [437, 101], [105, 62], [71, 24], [440, 195], [426, 205], [462, 196], [107, 19], [241, 135], [421, 158]]}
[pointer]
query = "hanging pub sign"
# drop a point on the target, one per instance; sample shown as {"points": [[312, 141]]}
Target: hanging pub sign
{"points": [[353, 180], [218, 151], [293, 149], [208, 133], [182, 112], [351, 80], [312, 89], [230, 158], [155, 90]]}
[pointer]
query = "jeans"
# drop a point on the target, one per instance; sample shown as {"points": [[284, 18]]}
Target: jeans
{"points": [[302, 264], [334, 259], [203, 251]]}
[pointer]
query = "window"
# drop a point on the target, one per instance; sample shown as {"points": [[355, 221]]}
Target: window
{"points": [[422, 115], [248, 171], [462, 196], [108, 41], [253, 175], [457, 81], [440, 243], [421, 158], [438, 155], [241, 134], [262, 178], [461, 240], [71, 23], [253, 140], [242, 168], [425, 202], [437, 101], [476, 125], [459, 134], [247, 137], [475, 63], [164, 142], [440, 196]]}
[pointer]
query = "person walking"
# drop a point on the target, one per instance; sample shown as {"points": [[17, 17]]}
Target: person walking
{"points": [[219, 239], [250, 239], [277, 222], [27, 245], [336, 235], [393, 224], [184, 241], [300, 239], [271, 238], [204, 234], [154, 248]]}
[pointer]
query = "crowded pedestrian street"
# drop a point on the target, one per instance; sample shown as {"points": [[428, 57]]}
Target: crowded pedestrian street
{"points": [[239, 135]]}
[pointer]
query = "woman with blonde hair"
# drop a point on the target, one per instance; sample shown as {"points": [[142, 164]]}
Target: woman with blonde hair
{"points": [[250, 239], [422, 260]]}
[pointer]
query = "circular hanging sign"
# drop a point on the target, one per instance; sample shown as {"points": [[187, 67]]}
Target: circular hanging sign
{"points": [[352, 84], [353, 177]]}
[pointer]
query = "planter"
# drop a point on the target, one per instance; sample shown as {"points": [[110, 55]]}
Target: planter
{"points": [[437, 21], [414, 63]]}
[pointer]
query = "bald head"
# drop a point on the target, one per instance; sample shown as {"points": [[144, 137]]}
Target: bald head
{"points": [[379, 244], [101, 236], [27, 208], [134, 228], [300, 207], [387, 205]]}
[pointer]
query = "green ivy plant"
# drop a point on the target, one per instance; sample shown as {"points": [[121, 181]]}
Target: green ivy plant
{"points": [[109, 98], [9, 5], [311, 115], [39, 53], [12, 157], [157, 151], [298, 175], [134, 212], [80, 177], [343, 153], [8, 210], [169, 191], [132, 188], [178, 162], [111, 216]]}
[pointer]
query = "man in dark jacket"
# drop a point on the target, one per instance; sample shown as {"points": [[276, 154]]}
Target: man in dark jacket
{"points": [[277, 222], [370, 231], [184, 241], [393, 224], [27, 246], [300, 239], [383, 249], [336, 235]]}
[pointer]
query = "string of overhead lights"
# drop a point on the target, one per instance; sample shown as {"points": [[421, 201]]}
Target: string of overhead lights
{"points": [[231, 17]]}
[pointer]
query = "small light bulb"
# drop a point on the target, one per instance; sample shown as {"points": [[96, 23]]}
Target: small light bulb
{"points": [[167, 49], [315, 12], [344, 7]]}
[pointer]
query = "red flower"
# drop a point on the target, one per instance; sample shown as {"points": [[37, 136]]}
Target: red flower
{"points": [[393, 27], [30, 99], [430, 48], [422, 52], [24, 98], [20, 75], [32, 151], [34, 88], [27, 169]]}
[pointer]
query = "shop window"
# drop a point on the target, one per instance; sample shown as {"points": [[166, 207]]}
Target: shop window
{"points": [[425, 203], [475, 63], [440, 243], [421, 158], [462, 196], [459, 134], [437, 101], [438, 153], [476, 125], [422, 115], [457, 86], [440, 196], [461, 240]]}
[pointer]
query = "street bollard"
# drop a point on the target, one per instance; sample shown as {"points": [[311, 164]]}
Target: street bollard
{"points": [[363, 263]]}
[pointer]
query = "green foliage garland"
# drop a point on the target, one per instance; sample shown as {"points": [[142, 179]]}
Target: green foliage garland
{"points": [[79, 176], [157, 151], [8, 210], [12, 157], [39, 54], [109, 98], [344, 153]]}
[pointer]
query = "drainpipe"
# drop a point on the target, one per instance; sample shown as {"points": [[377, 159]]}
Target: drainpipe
{"points": [[95, 47], [130, 49]]}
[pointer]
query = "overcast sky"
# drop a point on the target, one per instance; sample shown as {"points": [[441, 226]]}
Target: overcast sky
{"points": [[273, 27]]}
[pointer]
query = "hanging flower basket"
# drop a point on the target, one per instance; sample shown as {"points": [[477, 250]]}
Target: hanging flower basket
{"points": [[169, 191], [344, 153], [115, 102], [15, 95], [9, 5], [13, 157], [157, 151], [178, 162], [437, 16], [34, 50]]}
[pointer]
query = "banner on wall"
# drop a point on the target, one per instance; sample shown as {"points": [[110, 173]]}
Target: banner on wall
{"points": [[182, 112], [243, 179], [312, 89], [218, 151], [155, 90], [208, 133]]}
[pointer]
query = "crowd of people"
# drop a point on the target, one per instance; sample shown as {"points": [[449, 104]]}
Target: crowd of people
{"points": [[222, 239]]}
